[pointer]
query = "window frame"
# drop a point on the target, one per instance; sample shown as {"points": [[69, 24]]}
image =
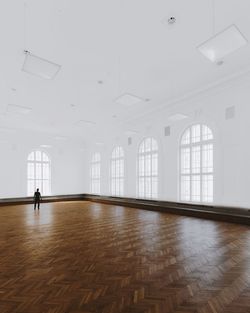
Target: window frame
{"points": [[201, 173], [116, 180], [144, 177], [93, 180], [35, 179]]}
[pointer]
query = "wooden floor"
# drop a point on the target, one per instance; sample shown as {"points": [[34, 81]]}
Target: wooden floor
{"points": [[84, 257]]}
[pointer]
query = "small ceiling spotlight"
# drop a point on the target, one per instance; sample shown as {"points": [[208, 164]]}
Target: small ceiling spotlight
{"points": [[171, 20], [100, 82], [219, 63]]}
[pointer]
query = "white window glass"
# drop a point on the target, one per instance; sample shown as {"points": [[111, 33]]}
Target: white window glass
{"points": [[185, 188], [186, 137], [95, 174], [38, 173], [196, 164], [117, 172], [147, 169]]}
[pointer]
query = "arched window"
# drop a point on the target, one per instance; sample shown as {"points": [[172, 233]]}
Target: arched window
{"points": [[95, 174], [117, 172], [38, 172], [196, 164], [147, 170]]}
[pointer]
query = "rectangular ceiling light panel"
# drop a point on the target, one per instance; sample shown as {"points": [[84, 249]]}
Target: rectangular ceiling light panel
{"points": [[131, 132], [40, 67], [18, 109], [177, 117], [223, 44], [85, 123], [45, 146], [128, 99]]}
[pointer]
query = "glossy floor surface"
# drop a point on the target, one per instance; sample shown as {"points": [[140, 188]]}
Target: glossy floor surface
{"points": [[83, 257]]}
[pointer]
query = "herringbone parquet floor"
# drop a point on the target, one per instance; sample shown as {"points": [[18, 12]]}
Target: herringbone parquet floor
{"points": [[81, 257]]}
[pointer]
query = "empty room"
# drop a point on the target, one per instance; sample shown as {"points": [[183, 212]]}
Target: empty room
{"points": [[124, 156]]}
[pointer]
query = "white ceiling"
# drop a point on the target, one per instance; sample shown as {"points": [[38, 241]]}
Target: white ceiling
{"points": [[124, 43]]}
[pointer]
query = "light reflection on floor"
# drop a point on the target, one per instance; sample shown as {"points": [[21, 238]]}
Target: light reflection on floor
{"points": [[37, 217]]}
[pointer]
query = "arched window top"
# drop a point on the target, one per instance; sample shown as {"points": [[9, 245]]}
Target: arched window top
{"points": [[117, 152], [196, 133], [96, 157], [38, 156], [196, 164], [147, 145]]}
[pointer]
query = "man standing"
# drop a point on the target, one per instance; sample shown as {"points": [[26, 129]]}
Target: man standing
{"points": [[37, 199]]}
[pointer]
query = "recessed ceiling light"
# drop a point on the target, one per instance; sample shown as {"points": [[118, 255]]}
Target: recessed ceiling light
{"points": [[128, 99], [177, 117], [18, 109], [40, 67], [223, 44]]}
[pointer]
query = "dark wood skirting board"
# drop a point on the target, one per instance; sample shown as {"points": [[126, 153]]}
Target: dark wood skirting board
{"points": [[29, 200], [219, 213]]}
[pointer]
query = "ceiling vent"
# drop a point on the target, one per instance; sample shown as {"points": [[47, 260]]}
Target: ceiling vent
{"points": [[167, 131], [129, 141], [230, 113]]}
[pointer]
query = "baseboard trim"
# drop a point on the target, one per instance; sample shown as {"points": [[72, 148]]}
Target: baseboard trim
{"points": [[218, 213], [29, 200], [211, 212]]}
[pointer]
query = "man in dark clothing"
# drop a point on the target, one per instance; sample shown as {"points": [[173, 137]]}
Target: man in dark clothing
{"points": [[37, 199]]}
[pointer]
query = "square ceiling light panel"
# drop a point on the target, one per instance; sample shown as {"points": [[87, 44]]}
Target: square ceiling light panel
{"points": [[40, 67], [18, 109], [128, 99], [223, 44]]}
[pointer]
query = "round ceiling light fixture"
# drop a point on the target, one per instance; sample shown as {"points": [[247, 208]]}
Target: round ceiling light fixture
{"points": [[171, 20]]}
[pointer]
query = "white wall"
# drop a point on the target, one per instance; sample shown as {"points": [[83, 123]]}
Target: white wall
{"points": [[232, 143], [67, 163], [70, 164]]}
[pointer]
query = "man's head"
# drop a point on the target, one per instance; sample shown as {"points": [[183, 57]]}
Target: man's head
{"points": [[37, 189]]}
